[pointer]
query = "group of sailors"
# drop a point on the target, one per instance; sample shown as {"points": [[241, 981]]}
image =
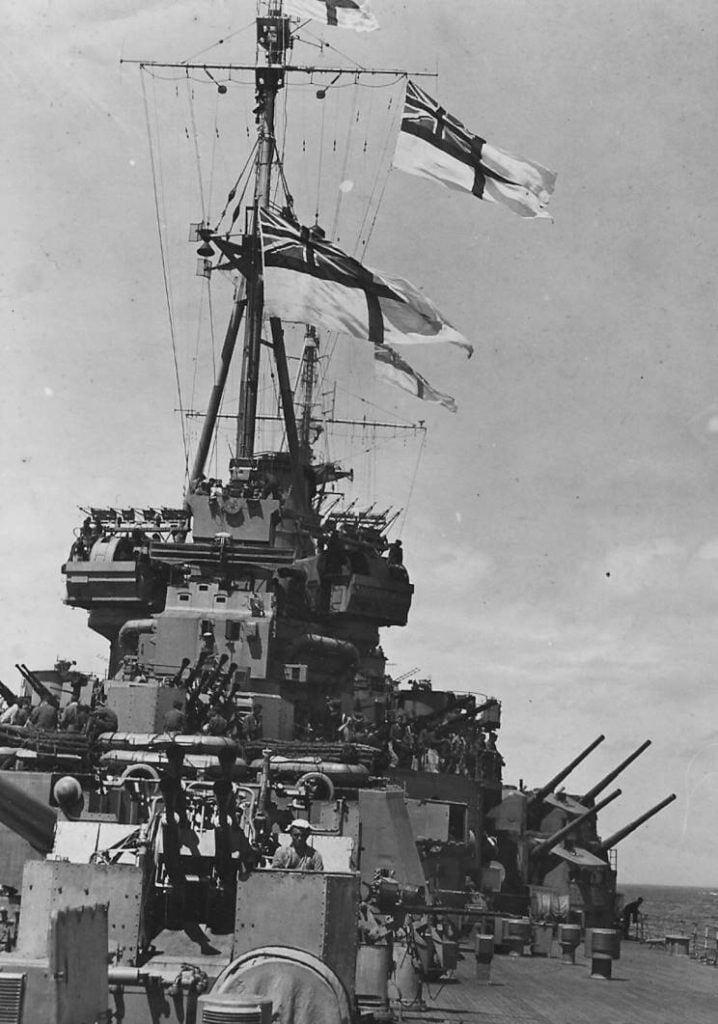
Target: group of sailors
{"points": [[470, 752], [75, 718], [217, 716], [406, 742], [258, 484]]}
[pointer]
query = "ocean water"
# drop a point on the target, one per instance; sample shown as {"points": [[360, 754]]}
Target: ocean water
{"points": [[675, 910]]}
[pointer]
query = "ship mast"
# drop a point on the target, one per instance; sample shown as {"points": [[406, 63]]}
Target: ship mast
{"points": [[307, 380], [273, 36]]}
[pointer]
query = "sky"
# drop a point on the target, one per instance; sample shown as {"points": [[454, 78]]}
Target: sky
{"points": [[560, 529]]}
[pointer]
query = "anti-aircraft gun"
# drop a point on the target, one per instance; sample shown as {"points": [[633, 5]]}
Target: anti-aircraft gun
{"points": [[195, 919], [35, 684], [8, 695]]}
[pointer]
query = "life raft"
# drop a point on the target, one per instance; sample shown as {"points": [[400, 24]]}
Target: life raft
{"points": [[121, 759], [194, 743], [339, 773]]}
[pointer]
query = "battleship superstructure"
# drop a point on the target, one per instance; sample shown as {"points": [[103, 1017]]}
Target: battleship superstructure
{"points": [[252, 613]]}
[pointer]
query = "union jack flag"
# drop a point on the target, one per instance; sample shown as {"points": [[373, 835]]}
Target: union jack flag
{"points": [[309, 280], [302, 249], [424, 118]]}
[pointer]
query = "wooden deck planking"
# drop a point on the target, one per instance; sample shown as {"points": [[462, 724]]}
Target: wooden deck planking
{"points": [[648, 987]]}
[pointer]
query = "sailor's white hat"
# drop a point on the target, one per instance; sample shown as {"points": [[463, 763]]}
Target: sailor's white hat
{"points": [[299, 823]]}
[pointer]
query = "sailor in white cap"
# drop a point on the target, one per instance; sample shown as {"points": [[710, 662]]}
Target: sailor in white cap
{"points": [[299, 856]]}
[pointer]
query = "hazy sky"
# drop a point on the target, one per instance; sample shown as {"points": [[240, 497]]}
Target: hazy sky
{"points": [[561, 531]]}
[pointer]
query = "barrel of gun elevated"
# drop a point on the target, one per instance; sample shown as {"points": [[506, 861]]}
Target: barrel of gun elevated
{"points": [[616, 838], [27, 816], [544, 791]]}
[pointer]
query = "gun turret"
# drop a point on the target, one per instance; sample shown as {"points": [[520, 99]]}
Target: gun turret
{"points": [[27, 816], [627, 829], [39, 687], [608, 779], [540, 794], [552, 840]]}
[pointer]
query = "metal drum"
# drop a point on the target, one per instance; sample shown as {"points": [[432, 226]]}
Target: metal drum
{"points": [[605, 946], [606, 941], [569, 936], [518, 935]]}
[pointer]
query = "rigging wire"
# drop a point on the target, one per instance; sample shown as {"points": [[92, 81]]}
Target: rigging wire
{"points": [[165, 272], [373, 405], [347, 148], [210, 312], [322, 45], [409, 496], [198, 336], [355, 119], [320, 164], [233, 191], [382, 169], [220, 42], [190, 98], [215, 139]]}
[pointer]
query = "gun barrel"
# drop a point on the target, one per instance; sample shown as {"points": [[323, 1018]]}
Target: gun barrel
{"points": [[39, 687], [7, 694], [608, 779], [27, 816], [552, 783], [547, 844], [632, 826]]}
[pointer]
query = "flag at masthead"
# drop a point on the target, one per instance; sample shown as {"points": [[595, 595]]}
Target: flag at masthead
{"points": [[433, 144]]}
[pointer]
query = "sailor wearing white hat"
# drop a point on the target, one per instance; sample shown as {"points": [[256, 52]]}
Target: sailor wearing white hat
{"points": [[299, 856]]}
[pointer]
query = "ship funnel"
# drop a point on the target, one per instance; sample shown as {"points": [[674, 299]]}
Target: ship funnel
{"points": [[27, 816], [627, 829], [608, 779], [552, 840], [540, 794]]}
